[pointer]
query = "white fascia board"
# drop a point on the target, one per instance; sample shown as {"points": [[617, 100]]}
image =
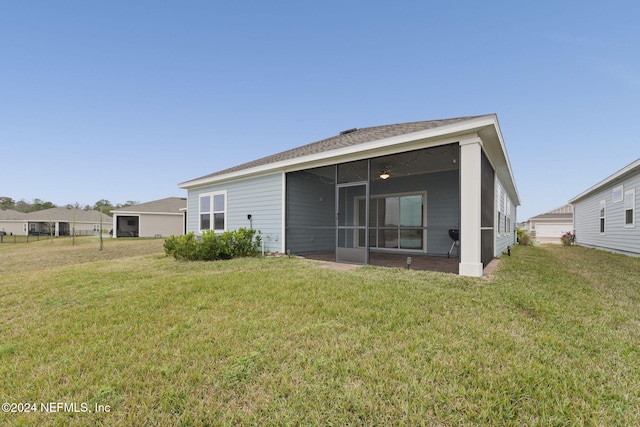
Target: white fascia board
{"points": [[622, 172], [131, 213], [357, 151]]}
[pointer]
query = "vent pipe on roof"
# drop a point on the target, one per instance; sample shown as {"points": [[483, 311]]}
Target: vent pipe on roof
{"points": [[344, 132]]}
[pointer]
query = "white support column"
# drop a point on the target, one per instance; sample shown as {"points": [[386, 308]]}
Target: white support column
{"points": [[283, 213], [115, 222], [470, 207]]}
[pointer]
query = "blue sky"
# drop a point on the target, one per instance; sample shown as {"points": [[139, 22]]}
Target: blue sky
{"points": [[123, 100]]}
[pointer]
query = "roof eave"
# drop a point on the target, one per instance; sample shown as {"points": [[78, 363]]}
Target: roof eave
{"points": [[366, 148], [622, 173]]}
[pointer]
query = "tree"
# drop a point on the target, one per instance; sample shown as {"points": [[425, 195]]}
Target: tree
{"points": [[23, 206], [7, 203], [103, 205], [39, 205]]}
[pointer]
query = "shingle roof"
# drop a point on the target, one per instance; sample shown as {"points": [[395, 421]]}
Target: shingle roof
{"points": [[167, 205], [10, 214], [344, 139], [67, 215], [552, 216]]}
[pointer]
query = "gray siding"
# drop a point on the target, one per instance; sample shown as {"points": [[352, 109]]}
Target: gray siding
{"points": [[260, 197], [616, 237], [505, 230], [311, 213]]}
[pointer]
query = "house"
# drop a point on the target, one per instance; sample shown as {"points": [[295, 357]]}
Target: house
{"points": [[383, 191], [12, 222], [65, 222], [549, 226], [158, 218], [56, 221], [604, 215]]}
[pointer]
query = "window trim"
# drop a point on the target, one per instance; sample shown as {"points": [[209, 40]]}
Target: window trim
{"points": [[501, 214], [212, 211], [378, 228], [602, 224], [632, 193]]}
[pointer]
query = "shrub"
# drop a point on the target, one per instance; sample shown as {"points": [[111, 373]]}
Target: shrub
{"points": [[524, 238], [211, 247], [230, 244], [567, 238], [185, 247], [170, 244]]}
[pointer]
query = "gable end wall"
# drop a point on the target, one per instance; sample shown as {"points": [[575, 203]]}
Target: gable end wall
{"points": [[504, 230], [617, 237], [260, 197]]}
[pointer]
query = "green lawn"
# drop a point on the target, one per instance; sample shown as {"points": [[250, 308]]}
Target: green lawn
{"points": [[552, 339]]}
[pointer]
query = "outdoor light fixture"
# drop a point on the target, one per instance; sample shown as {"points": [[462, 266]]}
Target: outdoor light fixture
{"points": [[384, 174]]}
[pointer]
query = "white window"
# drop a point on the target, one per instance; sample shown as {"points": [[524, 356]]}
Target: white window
{"points": [[213, 211], [603, 214], [396, 221], [629, 208], [501, 209], [617, 194]]}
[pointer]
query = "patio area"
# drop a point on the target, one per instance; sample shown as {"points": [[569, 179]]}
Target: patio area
{"points": [[384, 259]]}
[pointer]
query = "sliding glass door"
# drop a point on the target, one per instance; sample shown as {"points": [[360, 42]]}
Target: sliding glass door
{"points": [[397, 221]]}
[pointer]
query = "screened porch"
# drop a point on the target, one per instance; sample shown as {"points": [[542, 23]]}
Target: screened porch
{"points": [[378, 211]]}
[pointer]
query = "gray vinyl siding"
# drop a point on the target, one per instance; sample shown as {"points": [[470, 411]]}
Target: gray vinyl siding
{"points": [[617, 237], [311, 213], [504, 230], [259, 197]]}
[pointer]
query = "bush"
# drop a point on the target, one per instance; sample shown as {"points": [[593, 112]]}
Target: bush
{"points": [[524, 238], [230, 244], [567, 238], [181, 247], [170, 244]]}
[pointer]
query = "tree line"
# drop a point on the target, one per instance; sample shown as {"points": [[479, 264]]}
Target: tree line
{"points": [[102, 205]]}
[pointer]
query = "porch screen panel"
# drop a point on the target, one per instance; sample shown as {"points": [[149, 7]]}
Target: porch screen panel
{"points": [[310, 211], [487, 211]]}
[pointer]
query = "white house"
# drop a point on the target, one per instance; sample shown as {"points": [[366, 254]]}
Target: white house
{"points": [[394, 189], [158, 218], [605, 214], [550, 226]]}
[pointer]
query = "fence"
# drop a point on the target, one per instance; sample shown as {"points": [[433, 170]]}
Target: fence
{"points": [[4, 238]]}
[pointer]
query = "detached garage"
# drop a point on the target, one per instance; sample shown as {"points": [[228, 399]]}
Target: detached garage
{"points": [[159, 218], [550, 226]]}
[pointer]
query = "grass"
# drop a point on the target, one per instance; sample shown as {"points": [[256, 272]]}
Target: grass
{"points": [[551, 339]]}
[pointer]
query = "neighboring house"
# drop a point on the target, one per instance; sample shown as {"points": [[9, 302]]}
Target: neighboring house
{"points": [[605, 214], [59, 222], [394, 189], [159, 218], [549, 227], [12, 222]]}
